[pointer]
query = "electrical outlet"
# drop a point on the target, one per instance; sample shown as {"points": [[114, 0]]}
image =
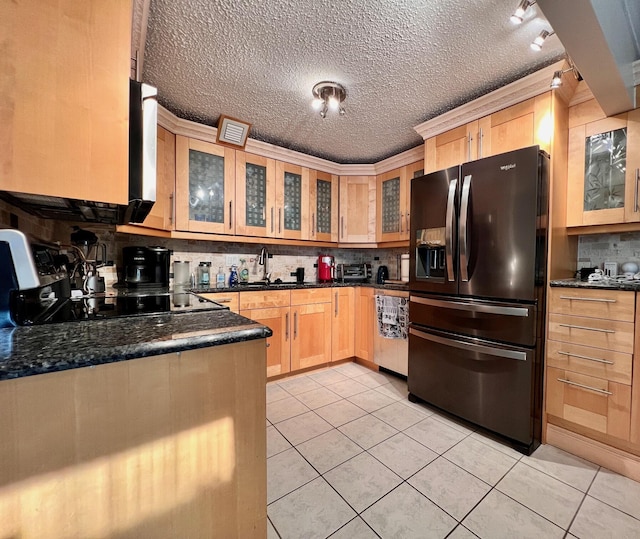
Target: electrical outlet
{"points": [[230, 260], [610, 269]]}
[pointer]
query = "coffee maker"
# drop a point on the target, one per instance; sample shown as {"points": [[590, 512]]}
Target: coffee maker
{"points": [[146, 266], [326, 268]]}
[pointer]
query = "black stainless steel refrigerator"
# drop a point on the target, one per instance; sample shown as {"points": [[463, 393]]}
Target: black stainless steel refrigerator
{"points": [[477, 282]]}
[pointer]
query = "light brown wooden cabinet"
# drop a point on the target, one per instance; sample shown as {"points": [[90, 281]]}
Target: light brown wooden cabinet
{"points": [[311, 332], [292, 202], [603, 167], [451, 148], [323, 201], [590, 349], [228, 299], [365, 309], [64, 99], [255, 181], [342, 323], [357, 209], [205, 187]]}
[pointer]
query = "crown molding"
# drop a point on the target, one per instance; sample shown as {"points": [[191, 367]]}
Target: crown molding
{"points": [[407, 157], [518, 91]]}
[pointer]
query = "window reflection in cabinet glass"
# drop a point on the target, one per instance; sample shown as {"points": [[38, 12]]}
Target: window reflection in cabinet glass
{"points": [[604, 170], [256, 178], [391, 206], [292, 201], [206, 187], [323, 208]]}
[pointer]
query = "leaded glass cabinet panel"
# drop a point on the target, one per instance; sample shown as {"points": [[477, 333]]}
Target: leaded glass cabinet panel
{"points": [[256, 194]]}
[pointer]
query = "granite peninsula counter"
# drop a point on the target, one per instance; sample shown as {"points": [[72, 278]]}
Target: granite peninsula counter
{"points": [[140, 426]]}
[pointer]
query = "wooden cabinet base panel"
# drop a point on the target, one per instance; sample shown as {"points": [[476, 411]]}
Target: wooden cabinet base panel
{"points": [[609, 457], [311, 369]]}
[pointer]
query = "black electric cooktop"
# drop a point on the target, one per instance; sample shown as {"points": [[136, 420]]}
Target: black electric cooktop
{"points": [[32, 311]]}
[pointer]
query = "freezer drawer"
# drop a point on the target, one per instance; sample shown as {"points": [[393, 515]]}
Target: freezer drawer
{"points": [[494, 386], [505, 322]]}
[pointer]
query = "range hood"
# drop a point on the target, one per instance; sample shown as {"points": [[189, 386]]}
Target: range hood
{"points": [[143, 118]]}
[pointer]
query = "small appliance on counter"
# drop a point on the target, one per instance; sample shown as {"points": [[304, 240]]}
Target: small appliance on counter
{"points": [[326, 268], [146, 266], [382, 275], [353, 273]]}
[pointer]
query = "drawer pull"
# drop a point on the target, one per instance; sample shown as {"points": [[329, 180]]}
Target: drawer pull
{"points": [[586, 357], [601, 300], [570, 326], [582, 386], [224, 300]]}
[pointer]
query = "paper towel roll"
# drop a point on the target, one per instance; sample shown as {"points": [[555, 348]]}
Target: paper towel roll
{"points": [[404, 267]]}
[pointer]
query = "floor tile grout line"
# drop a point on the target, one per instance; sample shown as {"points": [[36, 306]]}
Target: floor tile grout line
{"points": [[602, 501], [354, 518], [564, 482], [273, 526]]}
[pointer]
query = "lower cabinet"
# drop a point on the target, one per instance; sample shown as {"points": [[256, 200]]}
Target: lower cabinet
{"points": [[364, 319], [311, 332], [342, 323], [228, 299]]}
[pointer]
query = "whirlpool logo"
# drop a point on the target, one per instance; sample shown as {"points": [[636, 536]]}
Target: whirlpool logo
{"points": [[508, 167]]}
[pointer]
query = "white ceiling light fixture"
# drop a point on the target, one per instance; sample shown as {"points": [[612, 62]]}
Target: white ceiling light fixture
{"points": [[556, 81], [537, 43], [518, 14], [327, 96]]}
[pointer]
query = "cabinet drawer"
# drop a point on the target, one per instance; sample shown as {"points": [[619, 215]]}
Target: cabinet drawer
{"points": [[614, 366], [260, 299], [609, 304], [596, 404], [608, 334], [310, 295], [228, 299]]}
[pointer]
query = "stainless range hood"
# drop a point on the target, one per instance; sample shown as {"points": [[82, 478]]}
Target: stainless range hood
{"points": [[143, 118]]}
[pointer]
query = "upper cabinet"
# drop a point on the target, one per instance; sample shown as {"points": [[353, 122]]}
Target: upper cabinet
{"points": [[323, 201], [292, 201], [603, 167], [525, 124], [64, 99], [357, 209], [255, 195], [205, 188]]}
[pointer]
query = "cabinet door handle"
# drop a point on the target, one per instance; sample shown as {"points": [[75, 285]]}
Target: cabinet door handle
{"points": [[582, 386], [313, 224], [295, 324], [577, 298], [401, 217], [223, 300], [286, 328], [230, 213], [636, 195], [586, 357], [336, 310], [469, 140], [480, 136], [571, 326], [279, 220], [264, 213], [171, 208], [272, 219], [342, 227]]}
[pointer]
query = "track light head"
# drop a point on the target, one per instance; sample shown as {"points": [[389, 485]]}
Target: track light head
{"points": [[537, 43], [518, 14], [328, 96]]}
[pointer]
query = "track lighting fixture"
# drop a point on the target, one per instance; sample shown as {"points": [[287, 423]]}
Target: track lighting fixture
{"points": [[518, 14], [537, 43], [328, 96], [556, 81]]}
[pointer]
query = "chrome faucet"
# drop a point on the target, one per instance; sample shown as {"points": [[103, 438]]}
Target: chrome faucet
{"points": [[263, 260]]}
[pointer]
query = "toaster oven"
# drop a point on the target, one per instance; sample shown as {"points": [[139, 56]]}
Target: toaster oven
{"points": [[353, 273]]}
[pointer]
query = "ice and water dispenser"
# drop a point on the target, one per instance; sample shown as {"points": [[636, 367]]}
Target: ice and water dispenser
{"points": [[431, 260]]}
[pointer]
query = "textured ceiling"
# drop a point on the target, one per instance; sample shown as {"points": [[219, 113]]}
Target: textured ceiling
{"points": [[401, 61]]}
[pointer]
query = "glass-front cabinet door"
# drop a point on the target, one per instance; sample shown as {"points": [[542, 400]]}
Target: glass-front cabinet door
{"points": [[255, 195], [603, 171], [323, 202], [390, 197], [204, 187], [292, 202]]}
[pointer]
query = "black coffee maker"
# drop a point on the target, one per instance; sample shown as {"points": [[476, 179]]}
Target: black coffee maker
{"points": [[146, 266]]}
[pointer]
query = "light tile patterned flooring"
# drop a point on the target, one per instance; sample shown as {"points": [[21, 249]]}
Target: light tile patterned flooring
{"points": [[350, 457]]}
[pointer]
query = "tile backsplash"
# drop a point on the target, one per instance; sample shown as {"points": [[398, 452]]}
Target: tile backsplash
{"points": [[596, 249]]}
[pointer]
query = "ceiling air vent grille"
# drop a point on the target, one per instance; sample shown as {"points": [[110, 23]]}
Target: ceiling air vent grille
{"points": [[232, 132]]}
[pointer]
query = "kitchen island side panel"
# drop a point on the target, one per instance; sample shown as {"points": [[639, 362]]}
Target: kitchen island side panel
{"points": [[165, 446]]}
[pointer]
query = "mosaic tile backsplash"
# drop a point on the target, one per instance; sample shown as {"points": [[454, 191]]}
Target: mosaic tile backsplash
{"points": [[595, 250]]}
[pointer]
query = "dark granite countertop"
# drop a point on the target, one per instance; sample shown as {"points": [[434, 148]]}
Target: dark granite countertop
{"points": [[29, 350], [296, 286], [608, 285]]}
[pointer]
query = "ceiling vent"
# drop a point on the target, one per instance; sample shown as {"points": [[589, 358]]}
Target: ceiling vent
{"points": [[232, 132]]}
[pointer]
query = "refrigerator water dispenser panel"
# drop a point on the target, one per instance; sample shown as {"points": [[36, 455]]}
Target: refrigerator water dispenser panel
{"points": [[430, 253]]}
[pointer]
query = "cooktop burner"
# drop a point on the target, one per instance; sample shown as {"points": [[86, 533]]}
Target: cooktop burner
{"points": [[31, 311]]}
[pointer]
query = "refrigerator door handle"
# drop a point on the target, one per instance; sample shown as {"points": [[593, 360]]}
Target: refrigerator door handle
{"points": [[490, 309], [462, 240], [448, 231], [471, 347]]}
